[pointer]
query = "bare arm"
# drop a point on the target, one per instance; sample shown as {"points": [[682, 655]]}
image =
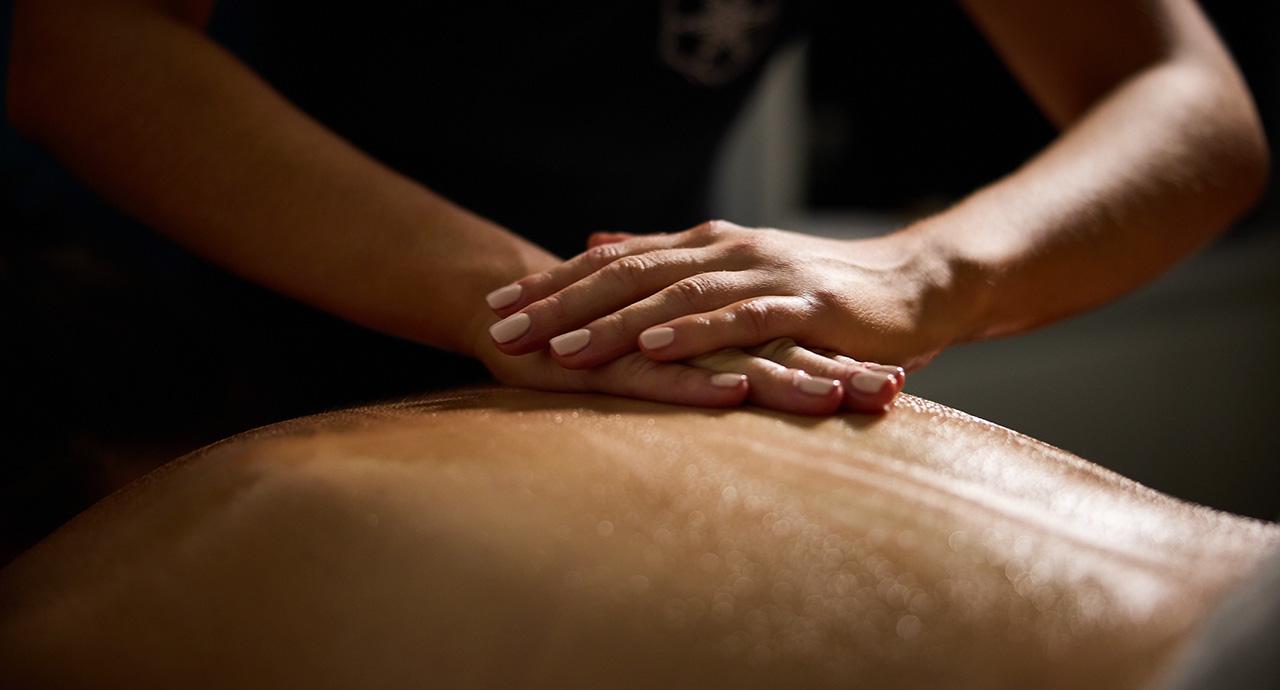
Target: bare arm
{"points": [[136, 101], [224, 165], [1162, 149]]}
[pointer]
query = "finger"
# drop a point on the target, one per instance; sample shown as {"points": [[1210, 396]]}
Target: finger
{"points": [[637, 376], [897, 372], [598, 238], [778, 387], [746, 323], [510, 298], [558, 319], [616, 334], [866, 389]]}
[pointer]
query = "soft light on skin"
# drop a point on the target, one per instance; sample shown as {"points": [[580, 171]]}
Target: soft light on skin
{"points": [[927, 550]]}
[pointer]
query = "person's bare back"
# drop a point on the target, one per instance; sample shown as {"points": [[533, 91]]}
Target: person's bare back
{"points": [[499, 538]]}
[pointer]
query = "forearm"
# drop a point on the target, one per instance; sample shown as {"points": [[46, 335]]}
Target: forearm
{"points": [[1155, 169], [177, 132]]}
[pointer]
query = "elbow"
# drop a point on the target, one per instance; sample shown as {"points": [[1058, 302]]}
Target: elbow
{"points": [[1243, 153], [1253, 167], [1233, 146]]}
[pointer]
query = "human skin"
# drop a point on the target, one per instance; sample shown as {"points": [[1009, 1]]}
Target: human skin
{"points": [[135, 100], [506, 538], [1161, 148]]}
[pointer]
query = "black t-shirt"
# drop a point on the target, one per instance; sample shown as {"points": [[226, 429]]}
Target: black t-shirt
{"points": [[553, 119]]}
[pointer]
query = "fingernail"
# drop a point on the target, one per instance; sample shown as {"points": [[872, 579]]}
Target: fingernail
{"points": [[728, 380], [814, 386], [504, 296], [571, 342], [897, 372], [655, 338], [510, 328], [869, 383]]}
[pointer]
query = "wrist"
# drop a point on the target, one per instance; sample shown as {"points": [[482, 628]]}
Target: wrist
{"points": [[954, 290]]}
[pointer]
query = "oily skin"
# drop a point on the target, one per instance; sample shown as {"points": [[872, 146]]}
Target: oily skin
{"points": [[494, 538]]}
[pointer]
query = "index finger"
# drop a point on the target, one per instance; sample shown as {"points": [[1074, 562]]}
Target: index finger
{"points": [[511, 298]]}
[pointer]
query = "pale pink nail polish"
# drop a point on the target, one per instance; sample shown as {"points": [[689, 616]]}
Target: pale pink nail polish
{"points": [[814, 385], [504, 296], [727, 380], [571, 342], [869, 383], [659, 337], [510, 328], [897, 372]]}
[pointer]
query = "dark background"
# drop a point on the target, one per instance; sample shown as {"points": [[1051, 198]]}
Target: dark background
{"points": [[907, 109], [1173, 386], [893, 84]]}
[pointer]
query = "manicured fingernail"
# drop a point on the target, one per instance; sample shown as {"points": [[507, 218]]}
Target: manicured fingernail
{"points": [[510, 328], [504, 296], [896, 372], [571, 342], [728, 380], [870, 383], [655, 338], [814, 386]]}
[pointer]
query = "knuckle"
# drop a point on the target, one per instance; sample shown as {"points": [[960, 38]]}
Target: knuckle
{"points": [[756, 317], [553, 307], [695, 290], [613, 326], [818, 299], [536, 284], [744, 246], [702, 229], [815, 302], [710, 229], [602, 255], [629, 269]]}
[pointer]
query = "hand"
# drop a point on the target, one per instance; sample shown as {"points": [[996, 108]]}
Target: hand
{"points": [[720, 285], [779, 375]]}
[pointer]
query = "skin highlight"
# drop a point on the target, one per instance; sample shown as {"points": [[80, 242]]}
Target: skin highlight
{"points": [[500, 538]]}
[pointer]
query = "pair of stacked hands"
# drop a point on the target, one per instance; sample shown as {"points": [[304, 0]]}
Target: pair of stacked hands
{"points": [[716, 316]]}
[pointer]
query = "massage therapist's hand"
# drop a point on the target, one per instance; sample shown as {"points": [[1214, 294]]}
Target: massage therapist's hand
{"points": [[720, 285], [779, 375]]}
